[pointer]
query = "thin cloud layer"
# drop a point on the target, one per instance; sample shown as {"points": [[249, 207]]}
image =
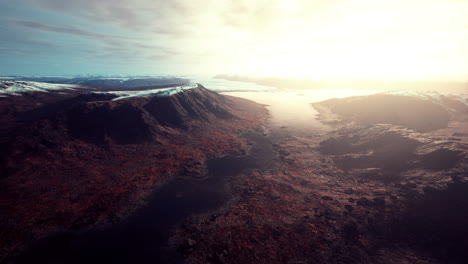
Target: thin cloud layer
{"points": [[297, 38], [66, 30], [133, 14]]}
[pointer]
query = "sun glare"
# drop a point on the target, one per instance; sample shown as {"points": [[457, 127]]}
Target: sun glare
{"points": [[288, 4], [357, 40]]}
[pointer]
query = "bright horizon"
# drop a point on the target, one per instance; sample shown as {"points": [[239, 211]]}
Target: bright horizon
{"points": [[300, 39]]}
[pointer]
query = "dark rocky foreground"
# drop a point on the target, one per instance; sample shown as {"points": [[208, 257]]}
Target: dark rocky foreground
{"points": [[389, 185], [75, 159], [143, 236]]}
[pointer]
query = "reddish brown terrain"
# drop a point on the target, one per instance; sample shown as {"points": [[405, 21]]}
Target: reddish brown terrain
{"points": [[74, 159], [389, 185]]}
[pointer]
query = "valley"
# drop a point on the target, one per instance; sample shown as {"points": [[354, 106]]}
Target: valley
{"points": [[186, 175]]}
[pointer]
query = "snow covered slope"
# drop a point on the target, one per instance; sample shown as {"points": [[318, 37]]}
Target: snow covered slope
{"points": [[10, 87], [19, 87], [150, 92], [432, 96]]}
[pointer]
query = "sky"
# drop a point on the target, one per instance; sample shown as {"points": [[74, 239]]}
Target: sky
{"points": [[307, 39]]}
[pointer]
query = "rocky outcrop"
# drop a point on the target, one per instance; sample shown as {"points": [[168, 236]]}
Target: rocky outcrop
{"points": [[420, 113], [136, 120], [179, 109], [374, 190], [77, 158], [424, 173], [95, 118]]}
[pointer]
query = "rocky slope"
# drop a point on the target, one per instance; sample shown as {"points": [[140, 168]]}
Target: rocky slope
{"points": [[375, 190], [76, 158], [422, 112]]}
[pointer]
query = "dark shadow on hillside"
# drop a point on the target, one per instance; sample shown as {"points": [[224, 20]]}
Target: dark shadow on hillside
{"points": [[436, 223]]}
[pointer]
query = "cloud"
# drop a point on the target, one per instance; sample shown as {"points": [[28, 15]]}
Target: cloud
{"points": [[146, 46], [169, 17], [104, 47], [25, 40], [159, 57], [9, 52], [21, 52], [249, 35], [66, 30], [258, 15], [132, 14]]}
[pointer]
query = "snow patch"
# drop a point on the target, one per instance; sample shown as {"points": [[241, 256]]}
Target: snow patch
{"points": [[432, 96], [20, 87], [220, 85], [151, 92]]}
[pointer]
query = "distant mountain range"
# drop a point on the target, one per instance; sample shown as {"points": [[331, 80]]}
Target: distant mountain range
{"points": [[127, 82]]}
